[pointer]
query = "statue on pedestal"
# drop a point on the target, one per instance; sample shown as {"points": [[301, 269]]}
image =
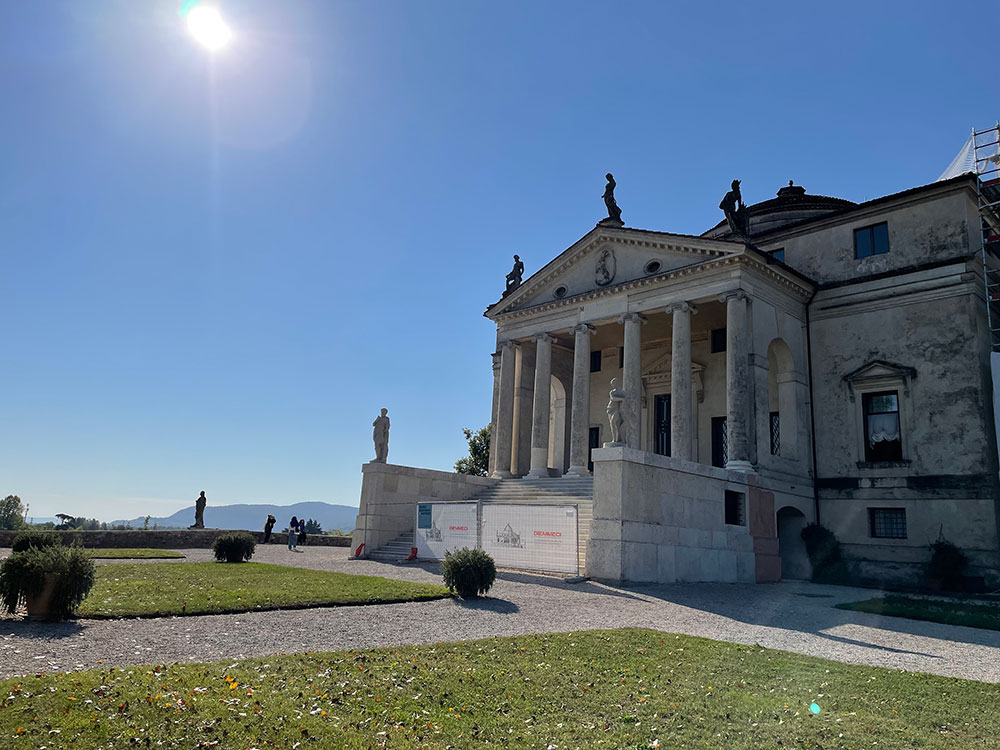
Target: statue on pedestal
{"points": [[615, 406], [381, 437], [614, 213], [736, 213], [514, 277], [199, 511]]}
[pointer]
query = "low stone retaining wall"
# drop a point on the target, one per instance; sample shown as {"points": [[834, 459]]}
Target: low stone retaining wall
{"points": [[167, 539]]}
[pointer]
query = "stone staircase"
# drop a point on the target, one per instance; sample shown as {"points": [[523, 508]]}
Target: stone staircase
{"points": [[546, 491], [396, 550]]}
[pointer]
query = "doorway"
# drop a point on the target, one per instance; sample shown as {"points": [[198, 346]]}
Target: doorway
{"points": [[661, 424], [794, 560]]}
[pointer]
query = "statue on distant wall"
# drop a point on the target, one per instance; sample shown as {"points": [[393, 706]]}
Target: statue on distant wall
{"points": [[736, 213], [615, 417], [381, 437], [514, 277], [199, 511], [614, 213]]}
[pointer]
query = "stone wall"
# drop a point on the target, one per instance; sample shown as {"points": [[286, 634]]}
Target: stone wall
{"points": [[169, 539], [389, 494]]}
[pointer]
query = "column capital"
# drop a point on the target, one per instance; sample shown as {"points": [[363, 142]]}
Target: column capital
{"points": [[632, 317], [688, 307], [496, 360], [508, 344], [583, 328], [540, 337], [737, 294]]}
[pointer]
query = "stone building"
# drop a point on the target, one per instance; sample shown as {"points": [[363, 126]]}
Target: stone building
{"points": [[834, 369]]}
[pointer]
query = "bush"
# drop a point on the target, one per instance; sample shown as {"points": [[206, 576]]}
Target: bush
{"points": [[235, 547], [824, 554], [468, 572], [36, 539], [28, 572], [947, 565]]}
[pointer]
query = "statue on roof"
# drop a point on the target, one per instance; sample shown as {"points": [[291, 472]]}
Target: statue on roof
{"points": [[514, 277], [614, 213], [736, 213]]}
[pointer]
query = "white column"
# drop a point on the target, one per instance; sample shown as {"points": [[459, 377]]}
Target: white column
{"points": [[493, 412], [737, 380], [541, 406], [505, 411], [681, 422], [633, 378], [579, 439]]}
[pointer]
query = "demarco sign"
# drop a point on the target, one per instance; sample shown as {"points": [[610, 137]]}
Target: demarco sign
{"points": [[529, 537]]}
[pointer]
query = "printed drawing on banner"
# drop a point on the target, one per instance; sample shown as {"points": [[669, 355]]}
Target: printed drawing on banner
{"points": [[509, 538], [433, 534]]}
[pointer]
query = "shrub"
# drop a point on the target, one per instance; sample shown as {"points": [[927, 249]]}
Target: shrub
{"points": [[28, 572], [947, 565], [36, 539], [234, 547], [468, 572], [824, 554]]}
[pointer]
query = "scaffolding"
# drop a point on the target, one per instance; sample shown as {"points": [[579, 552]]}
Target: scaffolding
{"points": [[985, 152]]}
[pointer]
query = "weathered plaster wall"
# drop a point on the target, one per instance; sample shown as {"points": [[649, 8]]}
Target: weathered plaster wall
{"points": [[929, 321], [389, 493]]}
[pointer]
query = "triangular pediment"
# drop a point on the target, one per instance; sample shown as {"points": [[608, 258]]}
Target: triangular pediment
{"points": [[880, 371], [607, 257]]}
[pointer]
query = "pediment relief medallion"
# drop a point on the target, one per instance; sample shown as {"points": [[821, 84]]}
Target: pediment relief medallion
{"points": [[604, 272]]}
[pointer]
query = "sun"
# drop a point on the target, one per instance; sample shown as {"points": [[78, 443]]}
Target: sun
{"points": [[207, 26]]}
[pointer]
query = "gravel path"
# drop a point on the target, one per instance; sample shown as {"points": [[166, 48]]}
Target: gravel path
{"points": [[795, 617]]}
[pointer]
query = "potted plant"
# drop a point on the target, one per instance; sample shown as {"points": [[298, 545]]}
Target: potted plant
{"points": [[50, 581], [234, 547], [468, 572]]}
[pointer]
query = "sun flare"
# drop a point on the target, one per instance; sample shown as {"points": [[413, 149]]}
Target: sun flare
{"points": [[207, 26]]}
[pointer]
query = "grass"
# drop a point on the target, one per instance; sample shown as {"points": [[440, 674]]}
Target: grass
{"points": [[160, 589], [131, 553], [936, 610], [613, 689]]}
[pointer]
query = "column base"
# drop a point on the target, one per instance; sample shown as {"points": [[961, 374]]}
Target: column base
{"points": [[538, 473], [501, 475], [577, 471], [739, 466]]}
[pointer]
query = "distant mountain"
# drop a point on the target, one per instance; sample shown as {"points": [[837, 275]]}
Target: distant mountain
{"points": [[330, 517]]}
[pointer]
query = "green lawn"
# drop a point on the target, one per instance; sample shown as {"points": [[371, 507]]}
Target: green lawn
{"points": [[935, 610], [131, 553], [159, 589], [613, 689]]}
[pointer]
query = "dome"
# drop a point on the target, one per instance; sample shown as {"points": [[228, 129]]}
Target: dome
{"points": [[791, 206]]}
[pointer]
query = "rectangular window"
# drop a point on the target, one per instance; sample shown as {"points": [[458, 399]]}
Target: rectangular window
{"points": [[718, 340], [887, 523], [595, 361], [594, 442], [882, 437], [734, 508], [720, 445], [775, 433], [873, 240], [778, 254]]}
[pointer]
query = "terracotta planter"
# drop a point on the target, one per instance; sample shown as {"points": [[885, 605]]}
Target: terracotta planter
{"points": [[40, 605]]}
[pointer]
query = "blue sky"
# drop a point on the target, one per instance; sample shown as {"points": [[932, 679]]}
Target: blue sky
{"points": [[215, 268]]}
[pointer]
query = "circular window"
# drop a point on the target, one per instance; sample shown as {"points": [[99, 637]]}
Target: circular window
{"points": [[652, 267], [560, 292]]}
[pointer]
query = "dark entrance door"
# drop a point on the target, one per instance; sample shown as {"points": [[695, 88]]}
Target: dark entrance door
{"points": [[595, 442], [661, 424]]}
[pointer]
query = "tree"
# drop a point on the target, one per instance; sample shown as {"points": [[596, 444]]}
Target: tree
{"points": [[11, 513], [313, 527], [477, 463]]}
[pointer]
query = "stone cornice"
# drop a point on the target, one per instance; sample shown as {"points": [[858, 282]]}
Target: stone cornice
{"points": [[786, 282], [662, 241]]}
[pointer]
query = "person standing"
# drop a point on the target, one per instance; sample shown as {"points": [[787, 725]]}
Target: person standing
{"points": [[301, 539], [293, 533], [268, 527]]}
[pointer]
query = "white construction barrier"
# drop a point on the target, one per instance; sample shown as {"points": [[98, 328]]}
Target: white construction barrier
{"points": [[444, 527], [531, 537]]}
